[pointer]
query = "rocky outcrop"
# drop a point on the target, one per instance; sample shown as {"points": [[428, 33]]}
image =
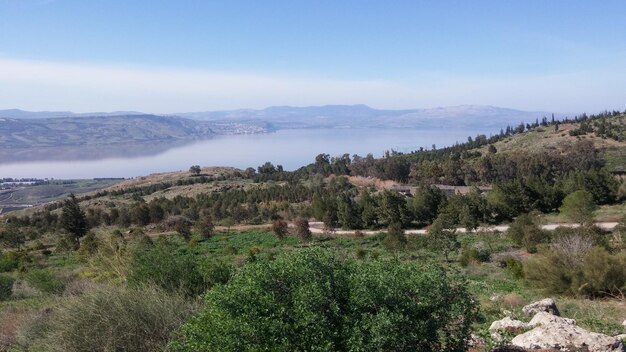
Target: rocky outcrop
{"points": [[545, 305], [561, 334], [550, 332]]}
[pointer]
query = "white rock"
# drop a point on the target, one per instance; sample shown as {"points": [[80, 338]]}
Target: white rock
{"points": [[561, 334], [544, 318], [545, 305], [508, 324]]}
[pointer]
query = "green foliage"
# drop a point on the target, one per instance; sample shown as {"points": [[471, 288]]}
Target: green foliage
{"points": [[313, 301], [280, 228], [8, 261], [205, 226], [73, 219], [603, 273], [6, 287], [89, 244], [473, 255], [395, 240], [443, 237], [515, 267], [168, 266], [578, 207], [109, 318], [12, 237], [302, 228], [44, 281], [575, 265], [216, 271], [426, 203], [525, 232]]}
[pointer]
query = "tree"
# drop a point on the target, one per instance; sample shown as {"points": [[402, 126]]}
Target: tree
{"points": [[195, 170], [312, 300], [443, 237], [578, 207], [395, 240], [205, 226], [347, 215], [228, 223], [180, 224], [73, 220], [426, 203], [302, 228], [393, 209], [280, 228], [525, 232]]}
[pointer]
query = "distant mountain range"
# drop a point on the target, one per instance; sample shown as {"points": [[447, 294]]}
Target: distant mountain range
{"points": [[333, 116], [62, 134], [359, 116]]}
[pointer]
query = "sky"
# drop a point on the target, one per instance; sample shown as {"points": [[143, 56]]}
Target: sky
{"points": [[175, 56]]}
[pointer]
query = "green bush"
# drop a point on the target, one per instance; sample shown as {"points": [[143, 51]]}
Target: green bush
{"points": [[216, 272], [475, 255], [515, 267], [589, 272], [111, 318], [8, 262], [310, 300], [168, 266], [44, 281], [524, 232], [6, 287]]}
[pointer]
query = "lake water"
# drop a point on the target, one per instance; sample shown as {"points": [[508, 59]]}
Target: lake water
{"points": [[290, 148]]}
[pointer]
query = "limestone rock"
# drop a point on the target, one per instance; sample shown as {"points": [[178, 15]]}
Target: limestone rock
{"points": [[545, 305], [544, 318], [561, 334], [508, 324]]}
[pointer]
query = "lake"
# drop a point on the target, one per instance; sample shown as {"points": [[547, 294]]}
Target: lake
{"points": [[290, 148]]}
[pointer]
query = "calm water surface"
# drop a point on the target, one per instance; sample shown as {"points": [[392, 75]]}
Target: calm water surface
{"points": [[290, 148]]}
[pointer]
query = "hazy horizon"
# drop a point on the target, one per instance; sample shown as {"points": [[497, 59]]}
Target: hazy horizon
{"points": [[197, 56]]}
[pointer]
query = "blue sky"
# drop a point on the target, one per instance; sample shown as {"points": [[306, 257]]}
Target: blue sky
{"points": [[168, 56]]}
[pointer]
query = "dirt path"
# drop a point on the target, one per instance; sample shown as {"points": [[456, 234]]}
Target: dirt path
{"points": [[318, 228]]}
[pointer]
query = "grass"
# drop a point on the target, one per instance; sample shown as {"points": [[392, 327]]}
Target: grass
{"points": [[499, 293]]}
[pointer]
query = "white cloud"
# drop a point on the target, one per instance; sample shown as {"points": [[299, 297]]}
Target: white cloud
{"points": [[36, 85]]}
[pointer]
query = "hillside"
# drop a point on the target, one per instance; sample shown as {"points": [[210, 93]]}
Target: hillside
{"points": [[350, 116], [157, 243], [560, 140], [93, 137]]}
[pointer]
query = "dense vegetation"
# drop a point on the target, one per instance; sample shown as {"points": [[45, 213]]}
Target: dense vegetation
{"points": [[236, 264]]}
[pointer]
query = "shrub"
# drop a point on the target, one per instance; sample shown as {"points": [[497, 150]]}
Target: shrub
{"points": [[526, 233], [216, 272], [8, 262], [603, 274], [578, 207], [470, 254], [312, 300], [395, 240], [6, 287], [574, 266], [168, 266], [44, 281], [515, 267], [111, 318]]}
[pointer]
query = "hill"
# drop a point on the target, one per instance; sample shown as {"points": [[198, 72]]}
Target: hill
{"points": [[350, 116], [93, 137]]}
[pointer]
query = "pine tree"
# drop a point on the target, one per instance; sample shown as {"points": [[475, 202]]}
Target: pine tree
{"points": [[73, 219]]}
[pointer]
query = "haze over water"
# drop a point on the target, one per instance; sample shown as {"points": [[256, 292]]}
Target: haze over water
{"points": [[289, 148]]}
